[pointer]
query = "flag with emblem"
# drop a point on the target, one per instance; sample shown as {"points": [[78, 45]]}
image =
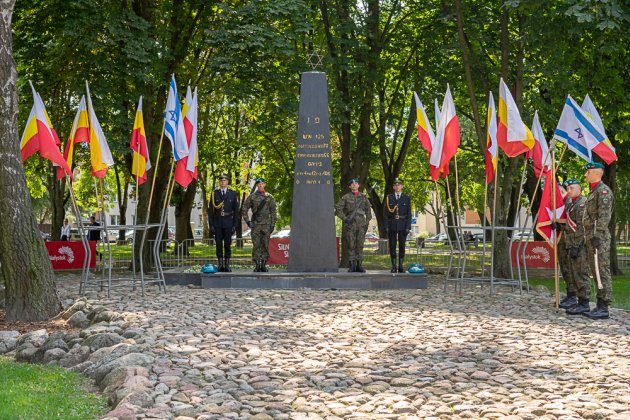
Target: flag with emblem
{"points": [[173, 123], [186, 168], [548, 212]]}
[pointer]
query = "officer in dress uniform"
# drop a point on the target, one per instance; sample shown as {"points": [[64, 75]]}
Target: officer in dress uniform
{"points": [[397, 217], [262, 223], [575, 248], [599, 206], [224, 217], [355, 211]]}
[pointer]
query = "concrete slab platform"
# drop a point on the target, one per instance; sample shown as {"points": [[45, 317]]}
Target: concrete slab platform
{"points": [[284, 280]]}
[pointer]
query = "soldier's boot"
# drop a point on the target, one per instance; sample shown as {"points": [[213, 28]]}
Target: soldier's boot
{"points": [[569, 301], [599, 312], [257, 268], [263, 266], [401, 268], [227, 266], [580, 307], [359, 267], [221, 266], [351, 268], [393, 270]]}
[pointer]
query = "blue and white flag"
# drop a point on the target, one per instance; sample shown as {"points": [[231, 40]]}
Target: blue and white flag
{"points": [[576, 130], [174, 123]]}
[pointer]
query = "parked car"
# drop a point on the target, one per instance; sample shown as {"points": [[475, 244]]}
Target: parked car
{"points": [[440, 237], [284, 233], [371, 237], [523, 236], [45, 236]]}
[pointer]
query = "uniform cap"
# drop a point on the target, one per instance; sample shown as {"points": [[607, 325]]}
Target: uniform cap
{"points": [[571, 181], [259, 180], [593, 165], [224, 176], [398, 181], [353, 180]]}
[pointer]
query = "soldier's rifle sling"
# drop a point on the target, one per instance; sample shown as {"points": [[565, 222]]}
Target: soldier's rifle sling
{"points": [[350, 218], [599, 280], [260, 207]]}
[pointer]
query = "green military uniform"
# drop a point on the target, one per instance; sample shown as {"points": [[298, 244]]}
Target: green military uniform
{"points": [[597, 214], [262, 224], [356, 213], [576, 251], [565, 269]]}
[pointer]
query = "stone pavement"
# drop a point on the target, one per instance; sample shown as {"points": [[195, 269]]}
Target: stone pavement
{"points": [[375, 354]]}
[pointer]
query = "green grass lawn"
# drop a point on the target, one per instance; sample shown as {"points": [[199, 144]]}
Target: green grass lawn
{"points": [[45, 392], [620, 286]]}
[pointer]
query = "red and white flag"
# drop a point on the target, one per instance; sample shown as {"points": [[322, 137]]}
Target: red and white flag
{"points": [[447, 139], [548, 213], [540, 154]]}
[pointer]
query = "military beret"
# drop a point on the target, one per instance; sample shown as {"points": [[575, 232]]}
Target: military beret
{"points": [[397, 181], [571, 181], [353, 180], [564, 184], [593, 165], [259, 180], [224, 176]]}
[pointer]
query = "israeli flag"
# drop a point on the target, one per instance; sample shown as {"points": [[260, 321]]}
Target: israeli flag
{"points": [[577, 131], [174, 123]]}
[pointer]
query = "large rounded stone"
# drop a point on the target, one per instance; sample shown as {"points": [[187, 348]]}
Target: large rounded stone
{"points": [[97, 341], [8, 341]]}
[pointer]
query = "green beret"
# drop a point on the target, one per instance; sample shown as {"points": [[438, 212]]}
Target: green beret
{"points": [[224, 176], [353, 180], [564, 185], [571, 181], [593, 165], [397, 181], [259, 180]]}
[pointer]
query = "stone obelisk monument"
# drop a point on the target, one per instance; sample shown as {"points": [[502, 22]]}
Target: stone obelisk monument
{"points": [[313, 240]]}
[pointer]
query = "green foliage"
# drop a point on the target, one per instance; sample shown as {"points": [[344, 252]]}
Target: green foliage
{"points": [[35, 391]]}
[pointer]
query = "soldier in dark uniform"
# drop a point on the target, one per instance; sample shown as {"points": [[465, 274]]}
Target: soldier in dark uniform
{"points": [[575, 248], [599, 207], [224, 217], [355, 211], [397, 217], [564, 261], [262, 223]]}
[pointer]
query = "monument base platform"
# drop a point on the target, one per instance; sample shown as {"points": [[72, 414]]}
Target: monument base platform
{"points": [[379, 280]]}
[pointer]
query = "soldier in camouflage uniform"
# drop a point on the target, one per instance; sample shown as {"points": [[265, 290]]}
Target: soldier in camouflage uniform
{"points": [[355, 211], [575, 247], [262, 223], [599, 206], [564, 263]]}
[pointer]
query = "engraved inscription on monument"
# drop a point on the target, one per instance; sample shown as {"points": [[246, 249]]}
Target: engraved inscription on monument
{"points": [[313, 243]]}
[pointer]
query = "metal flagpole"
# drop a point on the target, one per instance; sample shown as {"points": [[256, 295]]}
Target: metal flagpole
{"points": [[163, 222], [483, 255], [492, 225], [459, 229], [553, 222], [518, 210]]}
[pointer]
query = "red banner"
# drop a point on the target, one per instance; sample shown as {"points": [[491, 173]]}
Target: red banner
{"points": [[69, 255], [538, 254], [279, 250]]}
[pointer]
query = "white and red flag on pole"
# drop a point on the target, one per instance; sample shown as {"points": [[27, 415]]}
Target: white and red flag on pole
{"points": [[539, 154], [447, 139], [547, 214]]}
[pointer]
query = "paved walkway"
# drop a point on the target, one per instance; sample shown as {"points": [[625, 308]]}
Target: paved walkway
{"points": [[378, 354]]}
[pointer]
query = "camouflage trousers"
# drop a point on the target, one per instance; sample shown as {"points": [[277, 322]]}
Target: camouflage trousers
{"points": [[565, 268], [603, 260], [579, 273], [260, 241], [355, 234]]}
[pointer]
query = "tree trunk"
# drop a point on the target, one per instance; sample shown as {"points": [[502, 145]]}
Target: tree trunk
{"points": [[30, 293], [122, 190], [57, 203]]}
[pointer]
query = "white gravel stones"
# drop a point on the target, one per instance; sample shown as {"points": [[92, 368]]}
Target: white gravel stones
{"points": [[265, 354]]}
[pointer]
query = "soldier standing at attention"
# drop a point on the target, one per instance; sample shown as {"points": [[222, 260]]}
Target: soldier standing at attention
{"points": [[599, 206], [224, 217], [564, 261], [262, 223], [355, 211], [397, 217], [575, 247]]}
